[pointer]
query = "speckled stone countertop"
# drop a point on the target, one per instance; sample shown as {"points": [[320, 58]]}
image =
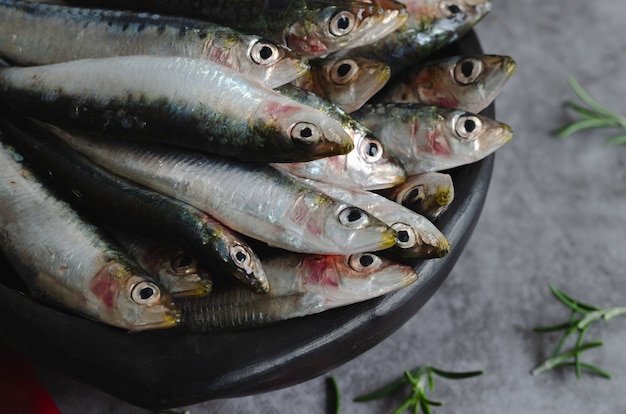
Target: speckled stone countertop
{"points": [[555, 214]]}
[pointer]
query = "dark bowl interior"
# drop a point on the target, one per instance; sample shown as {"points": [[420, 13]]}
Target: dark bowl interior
{"points": [[173, 368]]}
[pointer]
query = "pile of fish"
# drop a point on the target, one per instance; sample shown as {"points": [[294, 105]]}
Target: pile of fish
{"points": [[231, 163]]}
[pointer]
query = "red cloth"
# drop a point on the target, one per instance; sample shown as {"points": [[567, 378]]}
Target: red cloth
{"points": [[20, 390]]}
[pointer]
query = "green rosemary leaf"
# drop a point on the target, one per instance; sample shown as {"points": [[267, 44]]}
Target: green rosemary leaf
{"points": [[620, 139], [569, 302], [383, 392], [423, 403], [556, 360], [579, 303], [584, 124], [592, 103], [560, 327], [588, 367], [406, 404], [581, 110], [336, 395]]}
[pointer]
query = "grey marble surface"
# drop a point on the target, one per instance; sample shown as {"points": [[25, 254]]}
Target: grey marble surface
{"points": [[554, 214]]}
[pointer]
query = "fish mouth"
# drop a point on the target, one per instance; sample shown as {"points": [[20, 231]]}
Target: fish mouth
{"points": [[169, 320], [191, 289]]}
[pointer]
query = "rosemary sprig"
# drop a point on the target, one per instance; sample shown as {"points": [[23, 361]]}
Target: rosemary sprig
{"points": [[420, 380], [582, 315], [593, 116]]}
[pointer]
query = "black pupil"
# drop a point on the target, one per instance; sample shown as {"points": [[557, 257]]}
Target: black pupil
{"points": [[344, 69], [343, 23], [454, 9], [467, 68], [414, 194], [266, 52], [306, 132], [372, 150], [240, 256], [146, 293], [183, 261], [366, 260], [403, 236], [470, 125], [354, 215]]}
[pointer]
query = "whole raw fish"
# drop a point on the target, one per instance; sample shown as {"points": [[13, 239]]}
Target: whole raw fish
{"points": [[301, 285], [253, 199], [65, 261], [418, 238], [432, 25], [122, 203], [177, 271], [308, 27], [429, 194], [183, 101], [347, 82], [466, 82], [429, 138], [367, 166], [39, 33]]}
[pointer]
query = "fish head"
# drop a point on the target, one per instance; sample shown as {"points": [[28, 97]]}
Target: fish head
{"points": [[369, 165], [350, 82], [460, 11], [471, 137], [365, 276], [182, 276], [469, 82], [418, 238], [247, 266], [129, 300], [428, 193], [331, 27], [273, 64], [307, 130]]}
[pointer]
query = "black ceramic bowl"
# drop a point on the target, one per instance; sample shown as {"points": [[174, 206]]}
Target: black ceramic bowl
{"points": [[173, 368]]}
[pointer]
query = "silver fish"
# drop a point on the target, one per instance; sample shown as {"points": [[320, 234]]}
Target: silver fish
{"points": [[301, 285], [418, 238], [308, 27], [347, 82], [38, 34], [367, 166], [182, 101], [64, 260], [428, 138], [429, 194], [468, 82], [253, 199]]}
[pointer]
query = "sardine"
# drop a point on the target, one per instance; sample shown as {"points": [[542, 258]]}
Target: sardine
{"points": [[436, 24], [65, 261], [429, 138], [429, 194], [368, 166], [188, 102], [466, 82], [347, 82], [39, 33], [253, 199], [119, 202], [179, 272], [418, 238], [301, 285], [308, 27]]}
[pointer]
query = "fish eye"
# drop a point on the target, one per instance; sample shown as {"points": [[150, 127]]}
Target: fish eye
{"points": [[240, 256], [406, 235], [414, 195], [467, 70], [353, 217], [450, 9], [184, 263], [364, 262], [306, 132], [145, 293], [371, 150], [342, 23], [468, 126], [343, 71], [264, 53]]}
